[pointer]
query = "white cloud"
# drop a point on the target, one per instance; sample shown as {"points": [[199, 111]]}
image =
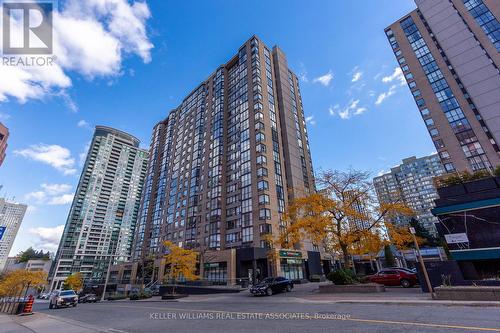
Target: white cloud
{"points": [[383, 96], [83, 124], [324, 79], [47, 239], [83, 155], [90, 38], [51, 194], [397, 75], [352, 109], [303, 73], [54, 155], [356, 74], [360, 111], [55, 189], [36, 195], [311, 120], [61, 200]]}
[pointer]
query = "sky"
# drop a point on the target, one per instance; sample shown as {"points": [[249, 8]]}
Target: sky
{"points": [[125, 64]]}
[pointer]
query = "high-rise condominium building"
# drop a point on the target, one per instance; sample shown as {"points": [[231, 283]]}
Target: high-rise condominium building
{"points": [[103, 215], [223, 167], [412, 183], [11, 216], [448, 51], [4, 135]]}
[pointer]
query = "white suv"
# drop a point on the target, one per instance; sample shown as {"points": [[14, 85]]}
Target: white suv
{"points": [[63, 298]]}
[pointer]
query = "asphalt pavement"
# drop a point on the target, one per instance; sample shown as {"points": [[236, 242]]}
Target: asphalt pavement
{"points": [[301, 310]]}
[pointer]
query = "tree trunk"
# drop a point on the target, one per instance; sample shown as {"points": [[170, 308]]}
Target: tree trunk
{"points": [[345, 254]]}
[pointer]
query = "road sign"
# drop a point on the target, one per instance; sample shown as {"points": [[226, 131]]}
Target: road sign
{"points": [[2, 231], [456, 238]]}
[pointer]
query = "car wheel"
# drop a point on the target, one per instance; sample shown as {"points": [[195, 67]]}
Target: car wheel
{"points": [[74, 305], [269, 292], [405, 283], [288, 288]]}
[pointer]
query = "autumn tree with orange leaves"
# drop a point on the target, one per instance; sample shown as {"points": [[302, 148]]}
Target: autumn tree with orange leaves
{"points": [[344, 217], [181, 263]]}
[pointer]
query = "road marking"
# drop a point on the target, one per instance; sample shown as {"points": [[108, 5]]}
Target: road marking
{"points": [[116, 330], [372, 321]]}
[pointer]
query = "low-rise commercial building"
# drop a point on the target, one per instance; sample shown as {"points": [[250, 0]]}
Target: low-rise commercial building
{"points": [[469, 222]]}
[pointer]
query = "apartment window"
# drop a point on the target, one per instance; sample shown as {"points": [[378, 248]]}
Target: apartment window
{"points": [[444, 155], [261, 160], [265, 214], [449, 167], [262, 172], [262, 185], [439, 144], [259, 137], [264, 199], [429, 122], [424, 112], [420, 102], [247, 235]]}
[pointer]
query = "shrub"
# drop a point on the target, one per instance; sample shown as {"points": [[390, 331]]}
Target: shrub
{"points": [[342, 277], [140, 295], [497, 171], [463, 177]]}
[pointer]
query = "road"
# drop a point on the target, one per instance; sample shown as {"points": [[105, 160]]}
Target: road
{"points": [[289, 312]]}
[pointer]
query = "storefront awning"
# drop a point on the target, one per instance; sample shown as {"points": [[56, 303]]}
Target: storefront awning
{"points": [[466, 206], [476, 254]]}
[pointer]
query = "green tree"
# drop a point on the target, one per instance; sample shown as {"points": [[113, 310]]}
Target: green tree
{"points": [[389, 256], [30, 253], [427, 238]]}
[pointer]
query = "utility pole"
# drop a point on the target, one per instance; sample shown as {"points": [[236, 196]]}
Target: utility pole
{"points": [[107, 278], [422, 265]]}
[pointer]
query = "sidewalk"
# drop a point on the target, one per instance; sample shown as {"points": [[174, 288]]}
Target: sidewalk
{"points": [[397, 296], [42, 323]]}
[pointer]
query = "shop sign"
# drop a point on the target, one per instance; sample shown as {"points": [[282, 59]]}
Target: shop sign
{"points": [[211, 264], [456, 238], [290, 254]]}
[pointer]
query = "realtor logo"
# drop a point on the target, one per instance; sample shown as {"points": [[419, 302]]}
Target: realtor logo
{"points": [[27, 27]]}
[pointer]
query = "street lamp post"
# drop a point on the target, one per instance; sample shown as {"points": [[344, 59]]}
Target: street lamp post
{"points": [[107, 277], [422, 265]]}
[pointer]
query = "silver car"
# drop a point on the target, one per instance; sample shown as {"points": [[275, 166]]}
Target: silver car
{"points": [[61, 298]]}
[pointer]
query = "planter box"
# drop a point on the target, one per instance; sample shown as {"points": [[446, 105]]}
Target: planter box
{"points": [[451, 191], [469, 293], [352, 288], [481, 185]]}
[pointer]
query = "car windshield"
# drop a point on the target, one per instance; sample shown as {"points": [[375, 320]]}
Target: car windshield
{"points": [[67, 293]]}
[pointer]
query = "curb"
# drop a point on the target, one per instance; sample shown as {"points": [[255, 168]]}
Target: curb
{"points": [[416, 303]]}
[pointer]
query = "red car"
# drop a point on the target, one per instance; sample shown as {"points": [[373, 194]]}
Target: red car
{"points": [[395, 277]]}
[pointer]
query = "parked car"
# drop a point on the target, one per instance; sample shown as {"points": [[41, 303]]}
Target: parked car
{"points": [[87, 298], [410, 270], [271, 285], [44, 296], [395, 277], [61, 298]]}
